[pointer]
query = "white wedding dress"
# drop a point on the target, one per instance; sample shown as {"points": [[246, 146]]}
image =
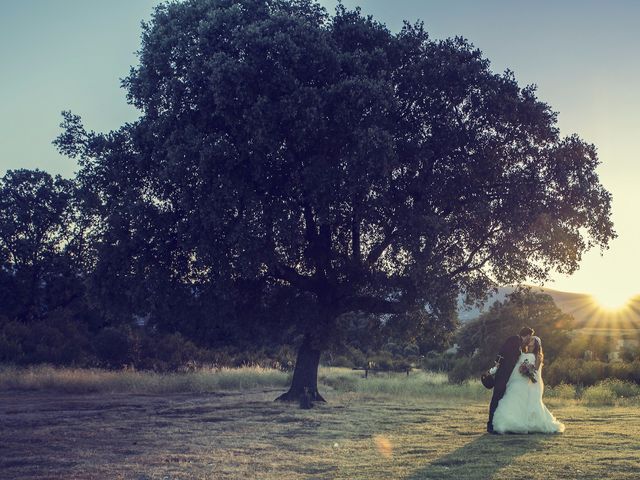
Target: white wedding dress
{"points": [[521, 410]]}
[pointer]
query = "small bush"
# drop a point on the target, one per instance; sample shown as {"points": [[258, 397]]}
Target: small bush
{"points": [[598, 395], [382, 361], [622, 389], [438, 362], [461, 371], [343, 383], [358, 358], [10, 349], [562, 391], [411, 350], [59, 341], [113, 346], [284, 358], [590, 372], [167, 352], [342, 361]]}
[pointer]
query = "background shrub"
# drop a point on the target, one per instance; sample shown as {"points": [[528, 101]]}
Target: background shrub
{"points": [[461, 370], [113, 346], [58, 341], [589, 372]]}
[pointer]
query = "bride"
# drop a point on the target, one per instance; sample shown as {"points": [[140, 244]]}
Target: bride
{"points": [[521, 410]]}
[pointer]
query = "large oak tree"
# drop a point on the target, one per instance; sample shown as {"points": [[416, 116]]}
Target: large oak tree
{"points": [[357, 169]]}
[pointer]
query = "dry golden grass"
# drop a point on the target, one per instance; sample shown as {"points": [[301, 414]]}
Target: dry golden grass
{"points": [[396, 386], [357, 435], [83, 380]]}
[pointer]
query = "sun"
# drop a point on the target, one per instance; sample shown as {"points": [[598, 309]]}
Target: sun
{"points": [[612, 300]]}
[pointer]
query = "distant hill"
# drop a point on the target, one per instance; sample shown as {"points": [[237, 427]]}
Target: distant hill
{"points": [[580, 305], [467, 314]]}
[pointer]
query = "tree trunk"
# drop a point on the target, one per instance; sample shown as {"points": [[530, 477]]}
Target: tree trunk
{"points": [[305, 374]]}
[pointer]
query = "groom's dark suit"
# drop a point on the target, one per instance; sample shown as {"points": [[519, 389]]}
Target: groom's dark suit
{"points": [[508, 356]]}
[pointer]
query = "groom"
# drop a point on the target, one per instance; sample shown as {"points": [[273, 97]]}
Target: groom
{"points": [[506, 360]]}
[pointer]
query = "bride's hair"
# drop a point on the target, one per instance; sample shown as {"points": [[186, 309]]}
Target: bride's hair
{"points": [[537, 349], [524, 331]]}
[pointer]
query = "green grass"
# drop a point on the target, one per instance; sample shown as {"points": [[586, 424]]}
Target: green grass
{"points": [[353, 436], [223, 424]]}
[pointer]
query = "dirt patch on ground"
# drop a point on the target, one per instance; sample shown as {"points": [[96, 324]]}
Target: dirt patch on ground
{"points": [[52, 435]]}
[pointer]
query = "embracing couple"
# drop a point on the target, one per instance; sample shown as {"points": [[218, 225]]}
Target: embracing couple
{"points": [[516, 405]]}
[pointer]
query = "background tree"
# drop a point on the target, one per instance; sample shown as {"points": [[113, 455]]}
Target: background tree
{"points": [[585, 345], [36, 210], [483, 337], [43, 313], [359, 170]]}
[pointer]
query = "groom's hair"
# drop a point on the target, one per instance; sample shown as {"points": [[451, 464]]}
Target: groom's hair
{"points": [[524, 331]]}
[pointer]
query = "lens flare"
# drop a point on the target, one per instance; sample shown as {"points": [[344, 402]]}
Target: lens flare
{"points": [[383, 445]]}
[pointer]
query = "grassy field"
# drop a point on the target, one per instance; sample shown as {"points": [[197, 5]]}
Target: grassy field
{"points": [[95, 426]]}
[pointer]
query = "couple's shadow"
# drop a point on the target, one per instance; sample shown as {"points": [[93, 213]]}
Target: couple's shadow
{"points": [[481, 458]]}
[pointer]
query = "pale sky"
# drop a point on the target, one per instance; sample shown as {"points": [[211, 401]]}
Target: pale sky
{"points": [[583, 55]]}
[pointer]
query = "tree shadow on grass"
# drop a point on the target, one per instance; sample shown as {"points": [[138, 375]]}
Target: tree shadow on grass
{"points": [[481, 458]]}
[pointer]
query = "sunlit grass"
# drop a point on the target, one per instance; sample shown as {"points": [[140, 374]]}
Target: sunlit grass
{"points": [[342, 381], [352, 436], [76, 380], [398, 385]]}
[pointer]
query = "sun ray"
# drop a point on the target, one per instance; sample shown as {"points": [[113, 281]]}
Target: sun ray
{"points": [[612, 301]]}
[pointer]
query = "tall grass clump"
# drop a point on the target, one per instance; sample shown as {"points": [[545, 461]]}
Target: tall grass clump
{"points": [[563, 391], [247, 378], [590, 372], [76, 380], [611, 392], [419, 384], [598, 395], [622, 389]]}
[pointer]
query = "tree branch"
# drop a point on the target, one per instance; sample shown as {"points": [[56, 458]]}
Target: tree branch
{"points": [[377, 251], [465, 267], [478, 266], [290, 275], [318, 239], [311, 230], [372, 305], [355, 239]]}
